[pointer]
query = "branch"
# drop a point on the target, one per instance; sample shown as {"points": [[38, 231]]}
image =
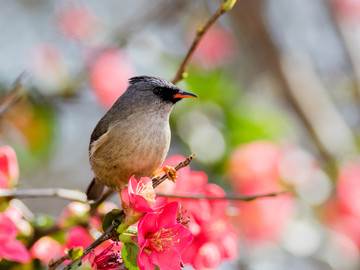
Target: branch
{"points": [[111, 229], [245, 198], [12, 97], [225, 6], [67, 194]]}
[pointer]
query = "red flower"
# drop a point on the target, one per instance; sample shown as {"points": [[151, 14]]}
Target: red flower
{"points": [[162, 239], [108, 259], [46, 249], [10, 248], [77, 22], [142, 196], [215, 239], [109, 76], [253, 170], [78, 237], [216, 48], [9, 169]]}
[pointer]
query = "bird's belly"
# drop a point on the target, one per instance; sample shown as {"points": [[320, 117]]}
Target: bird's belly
{"points": [[128, 154]]}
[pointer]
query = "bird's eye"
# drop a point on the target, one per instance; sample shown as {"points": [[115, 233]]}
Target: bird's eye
{"points": [[157, 91]]}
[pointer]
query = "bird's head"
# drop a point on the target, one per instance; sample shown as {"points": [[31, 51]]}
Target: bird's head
{"points": [[156, 89]]}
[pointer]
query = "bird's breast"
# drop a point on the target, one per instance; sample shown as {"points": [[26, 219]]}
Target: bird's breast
{"points": [[135, 146]]}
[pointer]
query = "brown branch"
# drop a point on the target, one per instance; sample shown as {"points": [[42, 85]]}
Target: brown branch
{"points": [[111, 229], [225, 6], [12, 97], [245, 198], [54, 264], [62, 193]]}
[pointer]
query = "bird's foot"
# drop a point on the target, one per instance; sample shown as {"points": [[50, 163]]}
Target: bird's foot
{"points": [[170, 173]]}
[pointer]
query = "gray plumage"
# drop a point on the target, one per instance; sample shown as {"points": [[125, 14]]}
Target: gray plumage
{"points": [[133, 137]]}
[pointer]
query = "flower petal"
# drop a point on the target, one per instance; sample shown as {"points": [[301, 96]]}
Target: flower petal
{"points": [[14, 250], [166, 260], [167, 217], [143, 261], [147, 223], [8, 229]]}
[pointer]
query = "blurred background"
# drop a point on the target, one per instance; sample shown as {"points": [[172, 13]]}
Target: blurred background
{"points": [[279, 108]]}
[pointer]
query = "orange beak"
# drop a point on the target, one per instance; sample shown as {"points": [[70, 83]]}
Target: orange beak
{"points": [[183, 94]]}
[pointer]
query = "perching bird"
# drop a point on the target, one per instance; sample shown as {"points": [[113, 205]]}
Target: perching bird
{"points": [[133, 137]]}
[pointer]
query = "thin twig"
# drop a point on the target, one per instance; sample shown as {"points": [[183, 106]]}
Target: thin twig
{"points": [[107, 234], [67, 194], [12, 97], [225, 6], [245, 198], [54, 264]]}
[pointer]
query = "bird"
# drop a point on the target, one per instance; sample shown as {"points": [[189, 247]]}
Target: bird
{"points": [[133, 137]]}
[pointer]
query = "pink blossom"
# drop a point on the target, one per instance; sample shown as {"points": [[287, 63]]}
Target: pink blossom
{"points": [[78, 22], [162, 239], [108, 259], [217, 47], [142, 196], [347, 9], [9, 169], [78, 237], [348, 189], [45, 249], [253, 170], [214, 237], [10, 248], [109, 75]]}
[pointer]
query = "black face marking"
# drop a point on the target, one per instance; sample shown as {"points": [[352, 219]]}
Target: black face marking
{"points": [[166, 94]]}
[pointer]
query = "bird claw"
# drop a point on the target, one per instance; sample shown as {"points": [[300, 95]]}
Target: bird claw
{"points": [[170, 173]]}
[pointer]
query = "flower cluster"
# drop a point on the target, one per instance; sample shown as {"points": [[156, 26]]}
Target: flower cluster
{"points": [[215, 240], [10, 248]]}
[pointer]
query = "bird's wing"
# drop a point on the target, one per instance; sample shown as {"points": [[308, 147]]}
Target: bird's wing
{"points": [[95, 144]]}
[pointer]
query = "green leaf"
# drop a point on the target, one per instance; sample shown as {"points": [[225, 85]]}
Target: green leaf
{"points": [[129, 254], [75, 253], [109, 217]]}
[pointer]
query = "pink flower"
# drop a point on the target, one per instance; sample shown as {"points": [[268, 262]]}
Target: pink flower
{"points": [[142, 196], [45, 249], [255, 163], [216, 48], [9, 169], [10, 248], [108, 259], [162, 239], [347, 9], [215, 240], [253, 170], [78, 237], [78, 23], [348, 189], [109, 75]]}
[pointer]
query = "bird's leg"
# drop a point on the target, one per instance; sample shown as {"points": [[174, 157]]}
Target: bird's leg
{"points": [[169, 171], [123, 203]]}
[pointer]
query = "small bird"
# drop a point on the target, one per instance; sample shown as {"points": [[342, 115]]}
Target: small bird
{"points": [[133, 137]]}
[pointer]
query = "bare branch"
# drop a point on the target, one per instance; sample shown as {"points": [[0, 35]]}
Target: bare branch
{"points": [[67, 194], [225, 6], [245, 198]]}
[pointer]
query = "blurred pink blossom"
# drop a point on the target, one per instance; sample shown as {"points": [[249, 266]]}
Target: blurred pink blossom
{"points": [[10, 248], [78, 22], [216, 48], [9, 169], [45, 249], [109, 75]]}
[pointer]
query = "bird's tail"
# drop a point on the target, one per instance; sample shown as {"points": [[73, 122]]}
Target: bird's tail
{"points": [[94, 190]]}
